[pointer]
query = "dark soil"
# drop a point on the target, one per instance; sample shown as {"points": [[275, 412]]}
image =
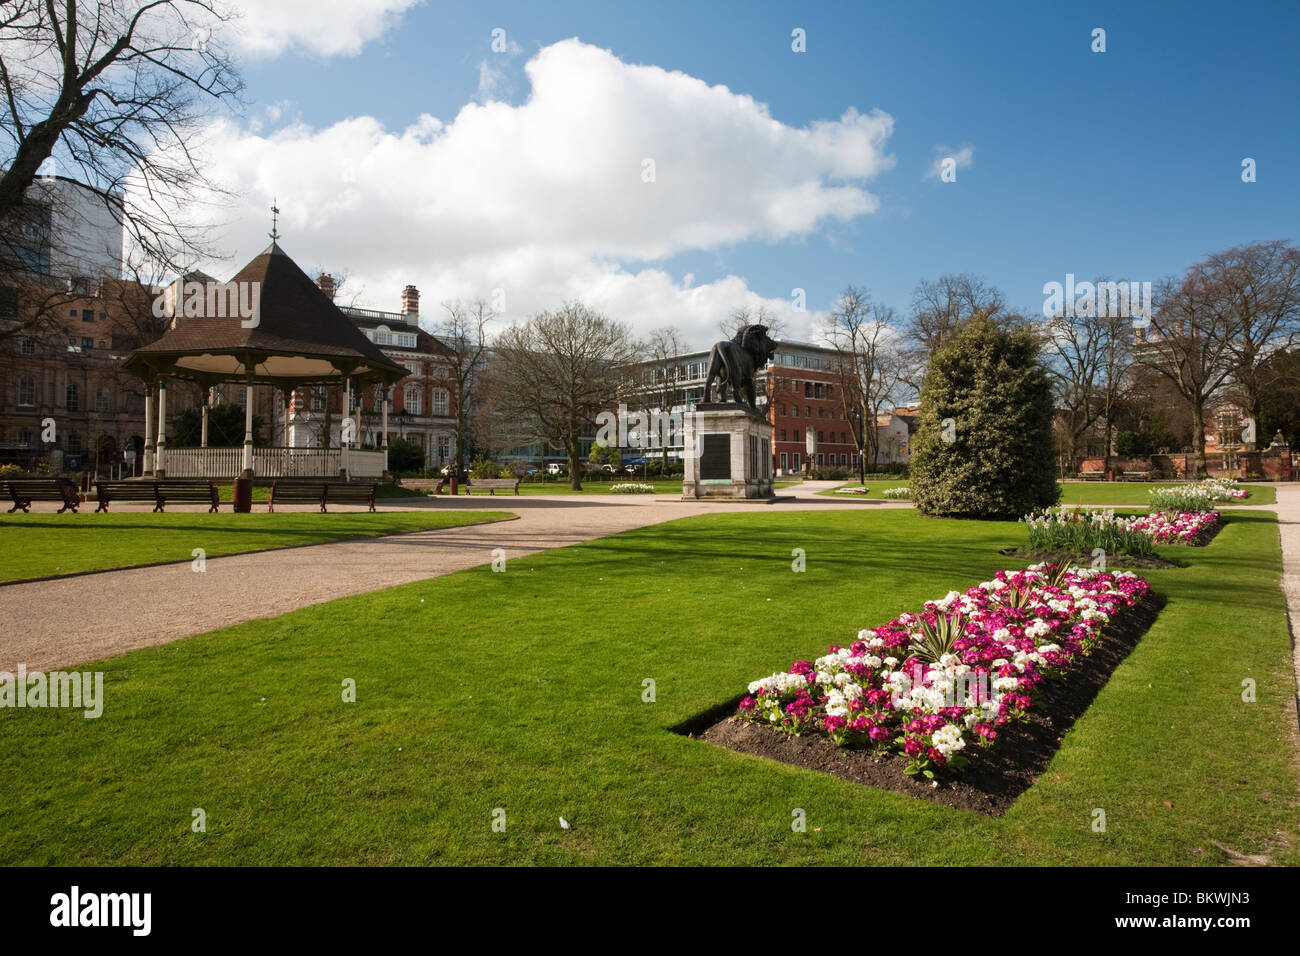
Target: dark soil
{"points": [[996, 776], [1115, 561]]}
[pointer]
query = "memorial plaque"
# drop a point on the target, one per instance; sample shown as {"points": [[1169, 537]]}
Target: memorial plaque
{"points": [[715, 457]]}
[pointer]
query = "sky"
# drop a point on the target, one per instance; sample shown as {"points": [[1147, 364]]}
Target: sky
{"points": [[667, 163]]}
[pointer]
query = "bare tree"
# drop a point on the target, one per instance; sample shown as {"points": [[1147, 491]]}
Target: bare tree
{"points": [[1089, 358], [561, 369], [870, 366], [110, 90], [464, 332], [940, 305], [1189, 342], [1258, 286], [737, 319]]}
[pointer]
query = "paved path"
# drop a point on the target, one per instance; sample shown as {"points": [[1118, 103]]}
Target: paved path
{"points": [[1288, 519], [50, 624]]}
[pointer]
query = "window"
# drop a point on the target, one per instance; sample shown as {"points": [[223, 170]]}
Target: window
{"points": [[795, 409], [796, 435], [74, 444], [411, 399], [821, 412], [782, 435], [28, 347], [103, 343], [441, 402], [797, 461], [807, 389], [821, 459], [781, 408], [444, 447], [25, 437], [87, 342], [101, 400], [819, 438], [784, 466], [87, 315], [817, 390], [26, 390], [72, 398], [807, 410], [318, 399], [844, 438]]}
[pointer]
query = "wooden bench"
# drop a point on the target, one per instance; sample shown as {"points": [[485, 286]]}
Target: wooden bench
{"points": [[23, 491], [321, 493], [162, 492], [1137, 475], [1092, 475], [493, 485]]}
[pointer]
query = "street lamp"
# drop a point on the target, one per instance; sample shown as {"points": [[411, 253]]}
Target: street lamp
{"points": [[857, 427]]}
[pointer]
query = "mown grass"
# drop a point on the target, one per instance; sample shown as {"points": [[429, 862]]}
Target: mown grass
{"points": [[524, 692], [44, 545], [1108, 493], [1137, 493]]}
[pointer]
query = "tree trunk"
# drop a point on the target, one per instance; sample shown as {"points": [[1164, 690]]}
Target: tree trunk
{"points": [[572, 451], [1198, 437]]}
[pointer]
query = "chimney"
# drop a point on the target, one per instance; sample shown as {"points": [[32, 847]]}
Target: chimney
{"points": [[326, 283], [411, 303]]}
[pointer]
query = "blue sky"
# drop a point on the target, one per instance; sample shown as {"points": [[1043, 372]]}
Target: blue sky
{"points": [[1125, 163]]}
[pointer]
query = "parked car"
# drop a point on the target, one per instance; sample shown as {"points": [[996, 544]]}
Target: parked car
{"points": [[554, 468]]}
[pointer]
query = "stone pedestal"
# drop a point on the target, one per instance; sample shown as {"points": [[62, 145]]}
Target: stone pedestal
{"points": [[728, 453]]}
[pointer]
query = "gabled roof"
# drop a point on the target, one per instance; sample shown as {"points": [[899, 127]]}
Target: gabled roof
{"points": [[295, 336]]}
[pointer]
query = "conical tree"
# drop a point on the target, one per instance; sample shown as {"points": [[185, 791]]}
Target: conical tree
{"points": [[983, 448]]}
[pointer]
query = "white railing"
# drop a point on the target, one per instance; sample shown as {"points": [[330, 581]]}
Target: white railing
{"points": [[274, 462]]}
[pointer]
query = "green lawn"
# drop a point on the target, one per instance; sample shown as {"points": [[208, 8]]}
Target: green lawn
{"points": [[875, 487], [1109, 493], [1135, 493], [523, 691], [41, 545]]}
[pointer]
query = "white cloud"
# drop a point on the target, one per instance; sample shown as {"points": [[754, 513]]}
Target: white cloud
{"points": [[546, 200], [267, 28], [961, 158]]}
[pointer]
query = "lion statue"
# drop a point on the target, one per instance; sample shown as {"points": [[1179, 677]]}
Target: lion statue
{"points": [[733, 364]]}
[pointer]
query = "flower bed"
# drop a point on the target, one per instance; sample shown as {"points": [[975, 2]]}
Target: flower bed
{"points": [[1201, 496], [925, 685], [1080, 531], [1165, 527], [846, 490], [898, 492], [631, 488]]}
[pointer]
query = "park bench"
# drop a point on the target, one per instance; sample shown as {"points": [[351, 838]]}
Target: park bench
{"points": [[1092, 475], [1137, 475], [493, 485], [187, 491], [23, 491], [321, 493], [161, 492]]}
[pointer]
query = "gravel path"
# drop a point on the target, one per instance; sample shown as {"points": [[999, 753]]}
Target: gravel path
{"points": [[57, 623]]}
